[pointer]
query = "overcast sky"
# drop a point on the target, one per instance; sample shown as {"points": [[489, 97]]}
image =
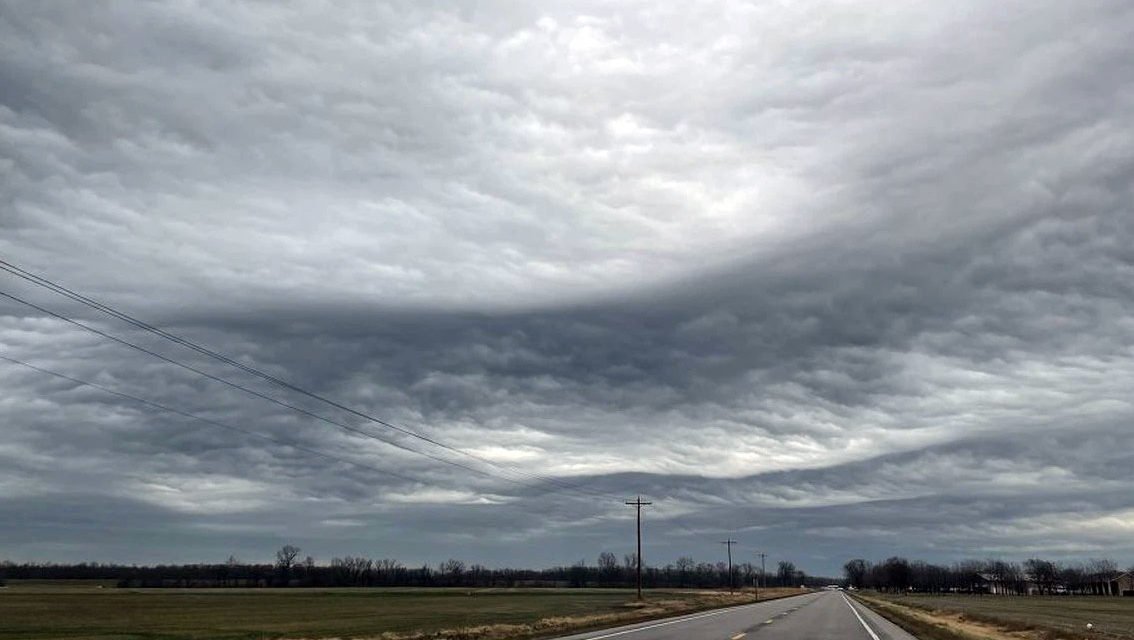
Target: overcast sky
{"points": [[833, 279]]}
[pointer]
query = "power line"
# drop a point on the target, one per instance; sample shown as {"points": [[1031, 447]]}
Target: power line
{"points": [[108, 310], [268, 398], [234, 385], [78, 297], [638, 503], [116, 314], [208, 421]]}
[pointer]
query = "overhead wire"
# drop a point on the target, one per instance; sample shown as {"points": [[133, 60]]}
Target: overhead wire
{"points": [[223, 425], [253, 371], [124, 317], [209, 421], [115, 313], [301, 410], [108, 310], [672, 520]]}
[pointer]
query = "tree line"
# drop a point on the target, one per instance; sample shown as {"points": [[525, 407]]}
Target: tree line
{"points": [[1033, 576], [292, 569]]}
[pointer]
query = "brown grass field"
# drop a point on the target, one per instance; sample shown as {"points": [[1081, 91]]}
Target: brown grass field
{"points": [[947, 617], [73, 610]]}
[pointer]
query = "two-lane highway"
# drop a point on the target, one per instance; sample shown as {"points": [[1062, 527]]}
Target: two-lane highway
{"points": [[827, 615]]}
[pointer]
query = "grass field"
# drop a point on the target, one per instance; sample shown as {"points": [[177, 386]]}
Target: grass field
{"points": [[1051, 616], [35, 611]]}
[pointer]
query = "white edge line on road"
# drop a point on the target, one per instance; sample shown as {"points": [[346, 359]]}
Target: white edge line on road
{"points": [[860, 620]]}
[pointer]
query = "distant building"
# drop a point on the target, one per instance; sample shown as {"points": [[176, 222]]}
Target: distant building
{"points": [[1121, 584], [1125, 583]]}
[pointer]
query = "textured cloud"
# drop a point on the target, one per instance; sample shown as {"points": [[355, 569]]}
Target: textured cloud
{"points": [[839, 280]]}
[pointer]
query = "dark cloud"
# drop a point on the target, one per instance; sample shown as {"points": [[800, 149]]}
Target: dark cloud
{"points": [[839, 282]]}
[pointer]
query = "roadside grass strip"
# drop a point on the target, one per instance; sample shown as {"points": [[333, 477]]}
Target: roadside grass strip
{"points": [[932, 624]]}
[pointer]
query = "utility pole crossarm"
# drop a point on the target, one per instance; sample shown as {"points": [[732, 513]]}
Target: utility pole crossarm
{"points": [[638, 504]]}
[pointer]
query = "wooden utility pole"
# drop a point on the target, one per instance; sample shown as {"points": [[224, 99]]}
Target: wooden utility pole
{"points": [[761, 581], [729, 544], [639, 504]]}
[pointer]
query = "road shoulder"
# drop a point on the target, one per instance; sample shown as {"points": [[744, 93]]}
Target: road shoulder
{"points": [[941, 625], [876, 624]]}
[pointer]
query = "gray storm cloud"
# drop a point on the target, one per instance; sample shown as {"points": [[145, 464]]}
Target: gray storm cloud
{"points": [[843, 280]]}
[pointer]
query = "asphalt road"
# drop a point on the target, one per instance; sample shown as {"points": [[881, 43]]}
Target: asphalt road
{"points": [[812, 616]]}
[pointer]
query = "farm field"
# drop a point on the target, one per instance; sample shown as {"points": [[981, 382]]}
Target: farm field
{"points": [[97, 611], [1062, 616]]}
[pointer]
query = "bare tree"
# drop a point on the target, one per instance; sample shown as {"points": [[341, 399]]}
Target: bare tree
{"points": [[608, 567], [351, 571], [684, 566], [897, 574], [855, 571], [747, 573], [286, 556], [1098, 574], [630, 562], [285, 559], [785, 572], [228, 570], [577, 574], [454, 570], [389, 570], [1102, 567], [1043, 573], [480, 575]]}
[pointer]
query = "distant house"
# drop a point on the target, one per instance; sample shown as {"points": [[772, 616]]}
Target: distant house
{"points": [[1118, 584], [1124, 583], [1121, 584]]}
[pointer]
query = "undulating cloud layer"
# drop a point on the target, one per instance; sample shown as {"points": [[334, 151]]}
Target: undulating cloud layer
{"points": [[834, 280]]}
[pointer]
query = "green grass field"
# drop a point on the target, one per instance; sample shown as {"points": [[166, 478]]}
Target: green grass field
{"points": [[1111, 617], [31, 611]]}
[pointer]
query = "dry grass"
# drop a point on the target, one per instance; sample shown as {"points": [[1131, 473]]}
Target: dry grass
{"points": [[1008, 617], [933, 625], [79, 610]]}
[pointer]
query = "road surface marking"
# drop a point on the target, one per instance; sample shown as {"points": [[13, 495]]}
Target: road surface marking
{"points": [[873, 635], [669, 622], [738, 636], [769, 621]]}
